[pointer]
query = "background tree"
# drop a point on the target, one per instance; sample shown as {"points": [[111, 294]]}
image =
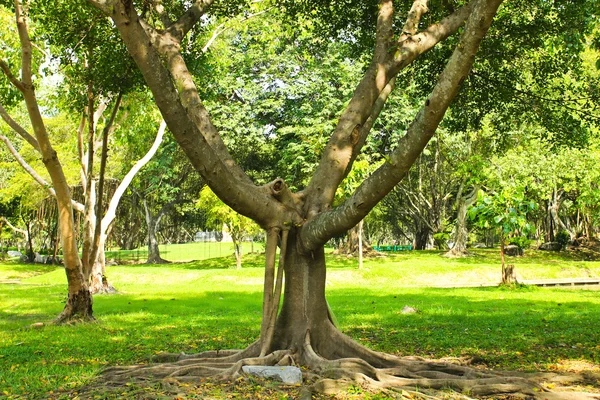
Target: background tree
{"points": [[506, 212], [221, 215], [79, 302]]}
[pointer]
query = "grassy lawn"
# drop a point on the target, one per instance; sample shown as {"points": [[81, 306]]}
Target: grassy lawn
{"points": [[185, 251], [206, 305]]}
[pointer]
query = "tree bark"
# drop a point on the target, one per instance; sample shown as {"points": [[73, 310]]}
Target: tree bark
{"points": [[461, 233], [304, 305], [153, 223], [79, 301]]}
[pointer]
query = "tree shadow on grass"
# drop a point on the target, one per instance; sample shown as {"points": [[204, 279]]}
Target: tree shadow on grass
{"points": [[526, 328]]}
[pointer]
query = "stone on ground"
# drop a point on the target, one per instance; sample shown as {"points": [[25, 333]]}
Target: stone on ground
{"points": [[287, 375]]}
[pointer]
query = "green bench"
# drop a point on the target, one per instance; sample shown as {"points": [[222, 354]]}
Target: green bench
{"points": [[406, 247]]}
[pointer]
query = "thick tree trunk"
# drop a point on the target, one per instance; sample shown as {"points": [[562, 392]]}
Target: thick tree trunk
{"points": [[422, 236], [461, 233], [304, 305]]}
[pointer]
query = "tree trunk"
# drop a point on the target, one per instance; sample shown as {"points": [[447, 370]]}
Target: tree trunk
{"points": [[89, 225], [98, 279], [355, 240], [360, 244], [304, 305], [153, 250], [461, 233], [422, 238], [508, 271], [238, 254], [30, 252]]}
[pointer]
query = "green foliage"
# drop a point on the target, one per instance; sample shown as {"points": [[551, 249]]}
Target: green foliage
{"points": [[87, 48], [522, 241], [219, 213], [506, 211], [441, 239]]}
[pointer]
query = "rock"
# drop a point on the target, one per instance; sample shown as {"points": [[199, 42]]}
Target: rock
{"points": [[37, 325], [23, 258], [479, 246], [14, 253], [408, 310], [513, 250], [39, 259], [550, 246], [287, 375]]}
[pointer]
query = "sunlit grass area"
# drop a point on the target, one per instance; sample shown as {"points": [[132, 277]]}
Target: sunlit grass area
{"points": [[205, 305]]}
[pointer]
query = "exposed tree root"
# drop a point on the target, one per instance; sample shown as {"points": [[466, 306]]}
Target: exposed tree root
{"points": [[359, 367]]}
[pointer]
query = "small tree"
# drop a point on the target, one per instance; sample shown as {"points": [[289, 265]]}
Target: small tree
{"points": [[505, 211], [219, 213]]}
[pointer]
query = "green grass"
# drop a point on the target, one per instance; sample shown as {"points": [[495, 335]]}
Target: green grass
{"points": [[185, 251], [206, 305]]}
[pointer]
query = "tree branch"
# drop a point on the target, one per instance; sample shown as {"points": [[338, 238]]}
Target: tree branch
{"points": [[19, 129], [410, 47], [354, 126], [222, 28], [14, 228], [182, 26], [178, 100], [33, 173], [345, 141], [380, 183], [111, 213], [411, 25], [13, 79]]}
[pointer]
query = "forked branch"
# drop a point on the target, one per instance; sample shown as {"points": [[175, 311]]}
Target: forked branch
{"points": [[379, 184]]}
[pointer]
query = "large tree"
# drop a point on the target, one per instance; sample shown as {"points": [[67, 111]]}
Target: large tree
{"points": [[156, 36]]}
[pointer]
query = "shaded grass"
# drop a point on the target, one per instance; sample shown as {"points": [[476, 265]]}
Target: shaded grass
{"points": [[205, 305], [186, 251]]}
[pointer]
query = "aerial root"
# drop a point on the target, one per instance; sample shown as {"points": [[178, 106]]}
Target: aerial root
{"points": [[353, 365], [406, 373], [187, 368]]}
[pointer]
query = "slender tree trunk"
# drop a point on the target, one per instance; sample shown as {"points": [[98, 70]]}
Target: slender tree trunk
{"points": [[89, 225], [238, 253], [30, 252], [360, 244], [355, 240], [508, 271], [153, 223], [98, 280]]}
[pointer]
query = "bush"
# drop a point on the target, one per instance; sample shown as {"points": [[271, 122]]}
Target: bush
{"points": [[441, 240], [522, 241], [562, 238]]}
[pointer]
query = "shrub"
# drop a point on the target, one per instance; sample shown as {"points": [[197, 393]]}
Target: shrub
{"points": [[522, 241]]}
